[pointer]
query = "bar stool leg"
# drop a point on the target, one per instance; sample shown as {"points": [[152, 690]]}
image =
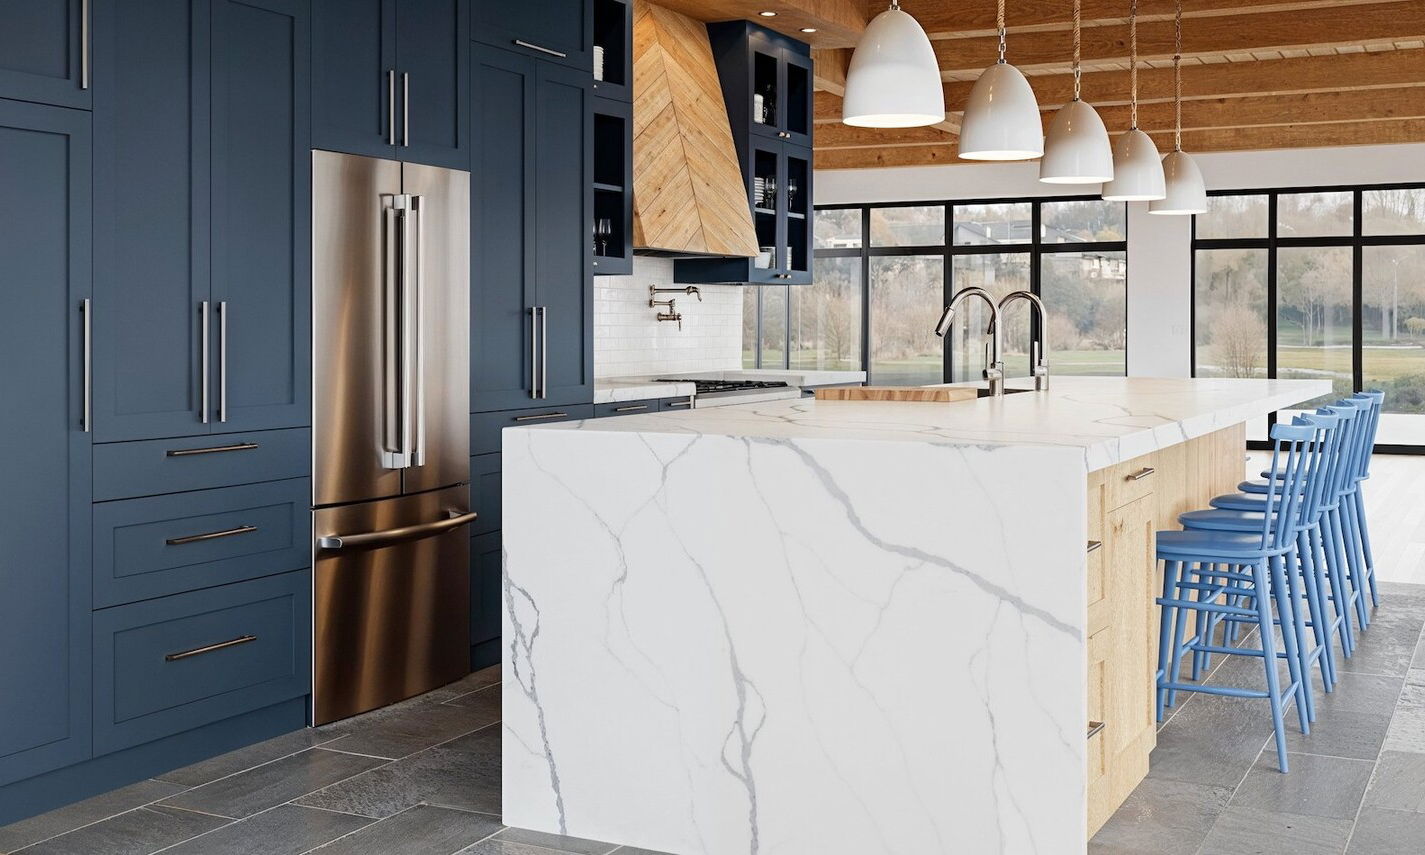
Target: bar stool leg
{"points": [[1290, 633], [1340, 599], [1346, 532], [1320, 624], [1360, 505], [1167, 618], [1269, 659]]}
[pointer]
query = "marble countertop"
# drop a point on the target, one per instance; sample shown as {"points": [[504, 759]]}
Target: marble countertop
{"points": [[611, 389], [1110, 419], [805, 378]]}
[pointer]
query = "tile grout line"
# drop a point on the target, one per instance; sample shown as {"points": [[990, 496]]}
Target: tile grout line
{"points": [[1351, 835], [110, 816], [194, 810]]}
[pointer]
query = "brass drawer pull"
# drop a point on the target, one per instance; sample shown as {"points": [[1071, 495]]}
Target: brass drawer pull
{"points": [[1095, 545], [536, 418], [217, 449], [209, 648], [1094, 728], [212, 535], [630, 409], [1142, 473]]}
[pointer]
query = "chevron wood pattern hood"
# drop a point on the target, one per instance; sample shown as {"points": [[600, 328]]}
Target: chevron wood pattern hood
{"points": [[688, 191]]}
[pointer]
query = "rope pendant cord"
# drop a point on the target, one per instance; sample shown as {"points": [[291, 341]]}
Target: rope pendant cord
{"points": [[1178, 78], [1078, 73], [1133, 64], [999, 22]]}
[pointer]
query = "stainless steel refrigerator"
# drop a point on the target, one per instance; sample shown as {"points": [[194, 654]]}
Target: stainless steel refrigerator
{"points": [[390, 431]]}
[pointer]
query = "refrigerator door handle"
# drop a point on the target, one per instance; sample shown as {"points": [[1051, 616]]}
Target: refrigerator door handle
{"points": [[392, 365], [455, 520], [414, 287]]}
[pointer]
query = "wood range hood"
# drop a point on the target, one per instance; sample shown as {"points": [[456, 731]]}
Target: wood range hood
{"points": [[689, 199]]}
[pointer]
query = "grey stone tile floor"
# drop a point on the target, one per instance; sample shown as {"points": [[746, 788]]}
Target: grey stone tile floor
{"points": [[1356, 783], [423, 777]]}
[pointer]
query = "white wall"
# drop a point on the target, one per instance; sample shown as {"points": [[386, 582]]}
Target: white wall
{"points": [[1159, 248], [630, 341]]}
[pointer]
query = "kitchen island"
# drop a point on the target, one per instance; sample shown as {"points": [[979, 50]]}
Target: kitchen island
{"points": [[850, 627]]}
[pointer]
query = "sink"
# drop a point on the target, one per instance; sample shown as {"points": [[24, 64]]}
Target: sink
{"points": [[985, 393]]}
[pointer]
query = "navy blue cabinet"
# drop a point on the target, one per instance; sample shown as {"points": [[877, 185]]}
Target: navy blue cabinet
{"points": [[44, 545], [390, 77], [201, 217], [531, 233], [45, 51], [261, 264], [560, 31]]}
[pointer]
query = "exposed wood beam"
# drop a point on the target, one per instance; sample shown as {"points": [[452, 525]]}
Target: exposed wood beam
{"points": [[1314, 108], [838, 23], [1218, 36], [830, 65], [837, 135], [1236, 139]]}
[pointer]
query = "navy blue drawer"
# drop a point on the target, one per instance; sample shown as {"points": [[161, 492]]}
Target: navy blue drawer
{"points": [[146, 548], [485, 493], [626, 408], [169, 665], [485, 427], [124, 470]]}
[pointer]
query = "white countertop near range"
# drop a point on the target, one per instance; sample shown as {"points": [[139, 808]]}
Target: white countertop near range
{"points": [[610, 389], [1111, 419]]}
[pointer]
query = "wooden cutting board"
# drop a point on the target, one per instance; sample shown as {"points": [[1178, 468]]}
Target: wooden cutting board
{"points": [[939, 394]]}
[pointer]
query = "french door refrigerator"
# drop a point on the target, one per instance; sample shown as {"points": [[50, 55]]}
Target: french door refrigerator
{"points": [[390, 431]]}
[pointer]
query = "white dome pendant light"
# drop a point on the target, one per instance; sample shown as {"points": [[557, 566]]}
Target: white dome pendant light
{"points": [[893, 80], [1002, 118], [1137, 172], [1077, 150], [1186, 193]]}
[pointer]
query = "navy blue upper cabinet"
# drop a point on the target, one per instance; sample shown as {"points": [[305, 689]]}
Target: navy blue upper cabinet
{"points": [[45, 551], [559, 31], [44, 56], [766, 81], [261, 215], [389, 79], [151, 224]]}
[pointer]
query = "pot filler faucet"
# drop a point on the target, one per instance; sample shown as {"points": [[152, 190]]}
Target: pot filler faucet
{"points": [[994, 369], [1038, 355]]}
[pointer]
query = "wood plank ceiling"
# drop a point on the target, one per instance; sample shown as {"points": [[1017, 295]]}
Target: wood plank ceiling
{"points": [[1257, 74]]}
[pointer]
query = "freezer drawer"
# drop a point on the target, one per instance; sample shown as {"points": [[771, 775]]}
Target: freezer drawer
{"points": [[392, 600]]}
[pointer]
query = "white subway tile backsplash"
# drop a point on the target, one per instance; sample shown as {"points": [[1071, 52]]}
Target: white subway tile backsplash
{"points": [[630, 341]]}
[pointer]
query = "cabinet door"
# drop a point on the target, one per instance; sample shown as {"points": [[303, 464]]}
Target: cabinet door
{"points": [[764, 99], [45, 546], [42, 54], [795, 94], [553, 30], [354, 76], [433, 68], [501, 225], [767, 168], [486, 604], [794, 191], [261, 203], [151, 226], [563, 214]]}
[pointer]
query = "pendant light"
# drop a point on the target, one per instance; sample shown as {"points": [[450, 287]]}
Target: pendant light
{"points": [[1077, 150], [893, 80], [1186, 193], [1002, 118], [1137, 172]]}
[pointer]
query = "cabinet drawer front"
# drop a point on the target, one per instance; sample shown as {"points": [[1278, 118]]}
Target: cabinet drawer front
{"points": [[168, 544], [126, 470], [1130, 481], [485, 427], [172, 664], [485, 481], [626, 408]]}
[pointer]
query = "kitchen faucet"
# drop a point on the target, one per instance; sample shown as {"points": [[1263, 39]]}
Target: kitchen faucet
{"points": [[1038, 356], [994, 369]]}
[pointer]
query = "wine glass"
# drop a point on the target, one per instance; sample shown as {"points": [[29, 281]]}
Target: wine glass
{"points": [[791, 194], [604, 229]]}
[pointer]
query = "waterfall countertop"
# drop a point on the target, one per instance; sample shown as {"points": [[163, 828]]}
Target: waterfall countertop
{"points": [[1111, 419]]}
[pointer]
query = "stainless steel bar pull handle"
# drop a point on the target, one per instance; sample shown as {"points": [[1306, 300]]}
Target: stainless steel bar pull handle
{"points": [[406, 109], [86, 416], [543, 352], [1095, 727], [396, 535], [210, 535], [222, 360], [1095, 545], [413, 235], [209, 648], [630, 409], [551, 51], [203, 366], [390, 106], [541, 417], [86, 36], [1142, 473], [534, 352], [217, 449]]}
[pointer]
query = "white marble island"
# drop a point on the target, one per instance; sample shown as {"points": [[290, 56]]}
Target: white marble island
{"points": [[820, 627]]}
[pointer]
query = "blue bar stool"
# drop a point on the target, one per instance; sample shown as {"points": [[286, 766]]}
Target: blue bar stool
{"points": [[1322, 460], [1376, 399], [1202, 567]]}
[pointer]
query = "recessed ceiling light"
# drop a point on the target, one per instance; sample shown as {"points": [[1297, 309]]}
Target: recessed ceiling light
{"points": [[768, 14], [808, 29]]}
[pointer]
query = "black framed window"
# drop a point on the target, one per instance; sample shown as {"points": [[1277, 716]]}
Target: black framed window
{"points": [[1317, 282], [883, 273]]}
